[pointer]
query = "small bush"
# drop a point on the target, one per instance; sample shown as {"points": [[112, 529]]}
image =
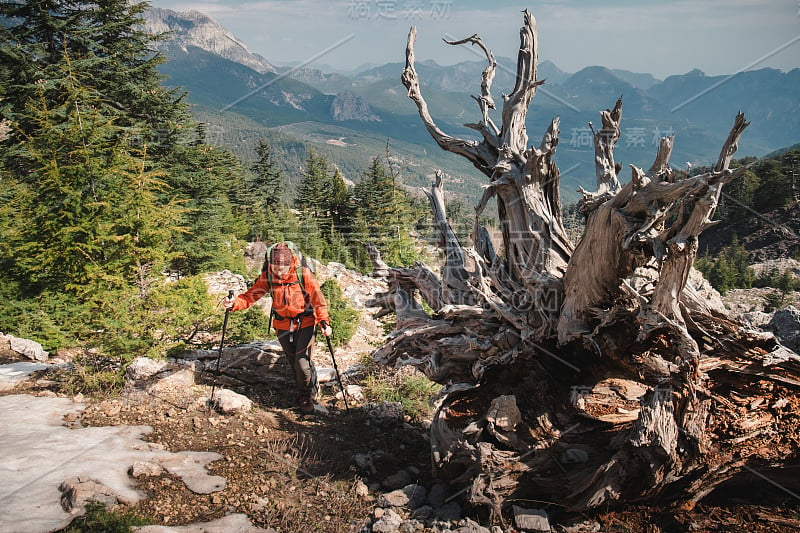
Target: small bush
{"points": [[344, 319], [55, 320], [783, 282], [92, 374], [247, 326], [412, 391], [99, 518]]}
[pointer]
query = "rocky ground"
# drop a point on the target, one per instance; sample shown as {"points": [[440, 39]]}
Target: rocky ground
{"points": [[339, 472], [362, 469]]}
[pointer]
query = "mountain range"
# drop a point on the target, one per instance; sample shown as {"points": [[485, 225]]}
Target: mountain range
{"points": [[351, 118]]}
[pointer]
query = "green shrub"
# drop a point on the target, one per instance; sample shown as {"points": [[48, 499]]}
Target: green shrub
{"points": [[783, 282], [54, 320], [412, 391], [729, 271], [99, 518], [247, 326], [344, 319], [92, 374], [129, 324], [177, 311]]}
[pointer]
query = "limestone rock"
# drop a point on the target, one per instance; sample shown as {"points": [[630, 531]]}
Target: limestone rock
{"points": [[174, 381], [384, 410], [219, 283], [361, 489], [325, 374], [231, 403], [258, 362], [349, 106], [354, 393], [786, 326], [145, 469], [195, 29], [27, 348], [254, 255], [411, 496], [144, 368], [400, 479], [470, 526], [76, 491], [389, 522], [534, 520]]}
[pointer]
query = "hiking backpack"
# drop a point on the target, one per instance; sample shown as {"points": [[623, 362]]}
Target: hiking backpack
{"points": [[300, 279]]}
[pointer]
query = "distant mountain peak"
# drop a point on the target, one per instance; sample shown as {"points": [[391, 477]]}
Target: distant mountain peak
{"points": [[348, 106], [193, 28]]}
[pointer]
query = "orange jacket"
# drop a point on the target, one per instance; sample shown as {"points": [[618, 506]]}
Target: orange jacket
{"points": [[288, 300]]}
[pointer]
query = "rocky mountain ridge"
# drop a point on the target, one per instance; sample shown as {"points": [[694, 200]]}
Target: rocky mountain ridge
{"points": [[193, 28], [305, 102]]}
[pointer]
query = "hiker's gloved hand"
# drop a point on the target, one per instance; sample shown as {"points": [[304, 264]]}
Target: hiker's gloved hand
{"points": [[228, 302], [326, 329]]}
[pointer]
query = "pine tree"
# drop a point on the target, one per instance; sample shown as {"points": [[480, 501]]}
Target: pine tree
{"points": [[66, 161], [88, 228], [775, 189], [207, 179], [738, 200], [118, 62], [337, 203], [739, 260], [317, 235], [385, 212], [267, 183], [89, 220], [259, 201], [310, 198]]}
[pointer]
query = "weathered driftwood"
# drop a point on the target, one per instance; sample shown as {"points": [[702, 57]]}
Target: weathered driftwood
{"points": [[588, 374]]}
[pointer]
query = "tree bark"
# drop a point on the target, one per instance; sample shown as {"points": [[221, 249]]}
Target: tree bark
{"points": [[587, 375]]}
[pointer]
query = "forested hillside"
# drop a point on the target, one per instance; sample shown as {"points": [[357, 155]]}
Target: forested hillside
{"points": [[758, 221], [110, 189]]}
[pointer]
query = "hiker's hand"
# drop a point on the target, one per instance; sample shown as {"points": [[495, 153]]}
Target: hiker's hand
{"points": [[228, 302], [325, 328]]}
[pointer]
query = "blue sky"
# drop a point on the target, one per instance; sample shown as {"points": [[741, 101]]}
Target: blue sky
{"points": [[661, 38]]}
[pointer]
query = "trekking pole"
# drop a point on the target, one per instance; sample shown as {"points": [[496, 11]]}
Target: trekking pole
{"points": [[338, 377], [221, 342]]}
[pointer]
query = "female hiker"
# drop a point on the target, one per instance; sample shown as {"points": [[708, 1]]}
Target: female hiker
{"points": [[298, 306]]}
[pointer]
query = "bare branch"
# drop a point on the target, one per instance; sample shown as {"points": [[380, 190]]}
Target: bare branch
{"points": [[485, 100], [454, 272], [516, 104], [410, 80]]}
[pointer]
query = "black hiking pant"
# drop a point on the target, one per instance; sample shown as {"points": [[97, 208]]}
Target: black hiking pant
{"points": [[297, 346]]}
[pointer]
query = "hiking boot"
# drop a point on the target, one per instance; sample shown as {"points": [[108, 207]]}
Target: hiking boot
{"points": [[306, 405]]}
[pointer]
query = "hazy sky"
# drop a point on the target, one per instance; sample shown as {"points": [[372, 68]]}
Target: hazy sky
{"points": [[661, 38]]}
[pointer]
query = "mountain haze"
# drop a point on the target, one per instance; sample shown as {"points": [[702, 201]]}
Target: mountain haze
{"points": [[697, 109]]}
